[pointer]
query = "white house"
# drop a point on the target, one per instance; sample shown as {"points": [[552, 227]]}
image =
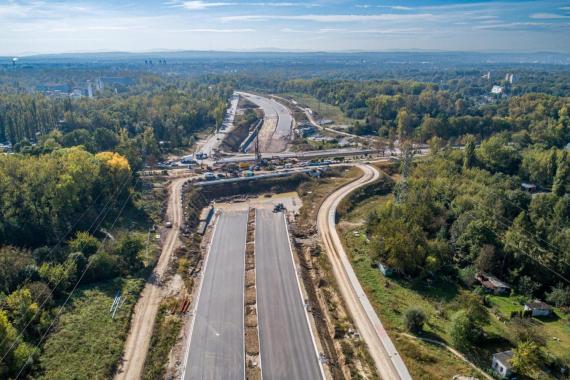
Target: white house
{"points": [[539, 308], [502, 364]]}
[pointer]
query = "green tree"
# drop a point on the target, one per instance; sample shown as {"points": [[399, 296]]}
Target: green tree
{"points": [[562, 175], [559, 296], [22, 308], [401, 246], [406, 122], [498, 155], [84, 243], [464, 331], [527, 358], [128, 249], [469, 155]]}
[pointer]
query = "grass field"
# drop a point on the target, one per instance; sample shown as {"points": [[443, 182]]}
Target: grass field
{"points": [[326, 111], [86, 331], [556, 329]]}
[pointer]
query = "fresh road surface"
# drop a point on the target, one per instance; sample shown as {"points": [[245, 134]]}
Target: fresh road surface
{"points": [[388, 362], [217, 335], [277, 125], [287, 348]]}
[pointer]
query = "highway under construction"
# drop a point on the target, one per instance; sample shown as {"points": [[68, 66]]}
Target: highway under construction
{"points": [[249, 314]]}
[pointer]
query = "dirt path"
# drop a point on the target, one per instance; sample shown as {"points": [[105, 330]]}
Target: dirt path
{"points": [[453, 351], [142, 322], [388, 362]]}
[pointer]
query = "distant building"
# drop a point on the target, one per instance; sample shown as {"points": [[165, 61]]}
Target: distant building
{"points": [[89, 89], [487, 76], [492, 284], [538, 308], [76, 94], [497, 90], [502, 364], [509, 78], [113, 81]]}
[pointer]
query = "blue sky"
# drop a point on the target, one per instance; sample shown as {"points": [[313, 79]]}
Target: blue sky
{"points": [[46, 26]]}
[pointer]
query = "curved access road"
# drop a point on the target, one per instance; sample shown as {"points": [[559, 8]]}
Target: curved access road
{"points": [[142, 321], [388, 362]]}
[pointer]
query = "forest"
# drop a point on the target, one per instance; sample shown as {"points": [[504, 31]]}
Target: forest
{"points": [[71, 207]]}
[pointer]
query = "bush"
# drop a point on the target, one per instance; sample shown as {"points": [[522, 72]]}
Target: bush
{"points": [[414, 319]]}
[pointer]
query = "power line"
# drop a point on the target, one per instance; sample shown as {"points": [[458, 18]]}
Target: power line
{"points": [[36, 346], [518, 248], [530, 234], [105, 210]]}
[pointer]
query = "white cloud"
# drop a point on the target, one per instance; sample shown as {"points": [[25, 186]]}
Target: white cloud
{"points": [[201, 5], [511, 25], [212, 30], [548, 16], [198, 5], [331, 18]]}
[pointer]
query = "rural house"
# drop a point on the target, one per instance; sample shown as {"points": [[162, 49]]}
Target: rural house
{"points": [[502, 363], [539, 308], [492, 284]]}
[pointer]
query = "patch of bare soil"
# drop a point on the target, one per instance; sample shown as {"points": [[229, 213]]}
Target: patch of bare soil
{"points": [[252, 369]]}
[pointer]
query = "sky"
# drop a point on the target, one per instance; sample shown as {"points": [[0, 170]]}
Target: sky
{"points": [[57, 26]]}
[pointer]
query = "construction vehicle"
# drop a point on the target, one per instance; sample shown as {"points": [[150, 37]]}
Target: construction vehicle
{"points": [[279, 207]]}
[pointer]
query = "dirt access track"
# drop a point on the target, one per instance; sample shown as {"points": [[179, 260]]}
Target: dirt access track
{"points": [[144, 315], [389, 364]]}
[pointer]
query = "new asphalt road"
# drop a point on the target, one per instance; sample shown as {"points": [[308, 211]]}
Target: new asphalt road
{"points": [[287, 348], [277, 123], [217, 338]]}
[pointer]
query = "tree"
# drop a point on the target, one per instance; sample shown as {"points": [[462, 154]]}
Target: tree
{"points": [[105, 139], [13, 264], [562, 175], [469, 158], [84, 243], [527, 286], [13, 354], [414, 319], [406, 122], [128, 249], [498, 155], [474, 307], [559, 296], [527, 358], [464, 331], [400, 246], [22, 308]]}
